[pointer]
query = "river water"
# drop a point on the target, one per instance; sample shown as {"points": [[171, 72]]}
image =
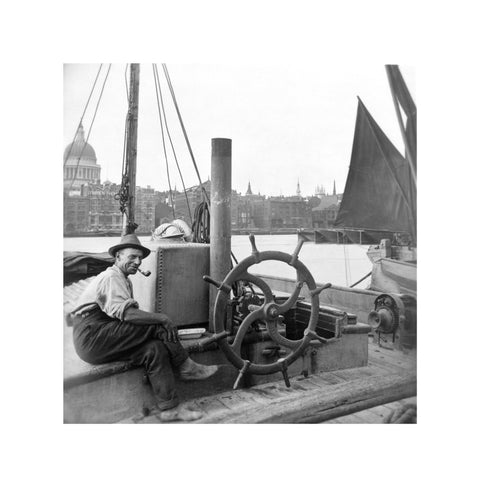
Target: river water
{"points": [[339, 264]]}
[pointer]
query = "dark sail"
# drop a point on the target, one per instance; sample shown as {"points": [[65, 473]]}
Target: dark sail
{"points": [[378, 193]]}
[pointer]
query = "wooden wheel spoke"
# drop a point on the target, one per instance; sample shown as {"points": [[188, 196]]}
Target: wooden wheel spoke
{"points": [[292, 299], [277, 338], [242, 330]]}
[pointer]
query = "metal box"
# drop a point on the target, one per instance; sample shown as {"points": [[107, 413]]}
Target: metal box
{"points": [[175, 286]]}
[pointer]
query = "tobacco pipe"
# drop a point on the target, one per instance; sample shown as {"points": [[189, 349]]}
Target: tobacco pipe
{"points": [[145, 273]]}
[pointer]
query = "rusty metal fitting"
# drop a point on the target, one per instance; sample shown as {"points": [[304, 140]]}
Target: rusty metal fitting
{"points": [[272, 311]]}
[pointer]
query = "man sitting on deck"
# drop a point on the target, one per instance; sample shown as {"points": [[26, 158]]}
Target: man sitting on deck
{"points": [[108, 326]]}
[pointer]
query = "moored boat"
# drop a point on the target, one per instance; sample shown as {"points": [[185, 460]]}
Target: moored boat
{"points": [[302, 347]]}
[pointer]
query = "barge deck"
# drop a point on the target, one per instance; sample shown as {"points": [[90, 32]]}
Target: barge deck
{"points": [[377, 393]]}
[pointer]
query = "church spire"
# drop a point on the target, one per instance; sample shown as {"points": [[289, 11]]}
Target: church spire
{"points": [[249, 189], [299, 193], [80, 137]]}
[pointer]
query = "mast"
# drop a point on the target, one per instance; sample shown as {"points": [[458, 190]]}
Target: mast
{"points": [[408, 151], [129, 224], [400, 92]]}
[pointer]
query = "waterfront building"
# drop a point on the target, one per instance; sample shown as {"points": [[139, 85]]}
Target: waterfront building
{"points": [[79, 164], [185, 202], [146, 200], [162, 212], [75, 213], [281, 212], [245, 216], [194, 197], [325, 214], [90, 206], [104, 211]]}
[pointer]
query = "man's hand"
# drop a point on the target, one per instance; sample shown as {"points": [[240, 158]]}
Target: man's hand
{"points": [[138, 317], [170, 328]]}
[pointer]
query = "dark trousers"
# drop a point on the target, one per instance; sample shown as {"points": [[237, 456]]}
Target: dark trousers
{"points": [[100, 339]]}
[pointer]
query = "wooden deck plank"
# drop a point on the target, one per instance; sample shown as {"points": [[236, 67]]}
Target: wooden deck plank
{"points": [[325, 379], [402, 362], [393, 367], [381, 370], [357, 373], [392, 355], [375, 415], [349, 396], [209, 405], [335, 400]]}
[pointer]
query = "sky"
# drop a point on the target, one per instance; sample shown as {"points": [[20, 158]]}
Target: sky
{"points": [[288, 123]]}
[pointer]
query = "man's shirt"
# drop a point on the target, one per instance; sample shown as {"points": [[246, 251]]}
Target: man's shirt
{"points": [[111, 291]]}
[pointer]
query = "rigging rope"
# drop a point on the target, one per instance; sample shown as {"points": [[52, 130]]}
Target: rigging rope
{"points": [[173, 148], [201, 223], [83, 114], [170, 86], [90, 129], [126, 81], [362, 279], [157, 88], [346, 261]]}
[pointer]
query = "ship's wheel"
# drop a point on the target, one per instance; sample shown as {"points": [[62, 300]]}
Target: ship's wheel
{"points": [[269, 312]]}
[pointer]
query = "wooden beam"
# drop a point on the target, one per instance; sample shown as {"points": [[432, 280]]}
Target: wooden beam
{"points": [[323, 404], [131, 145]]}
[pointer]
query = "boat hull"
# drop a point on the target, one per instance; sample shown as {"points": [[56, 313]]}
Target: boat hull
{"points": [[394, 276]]}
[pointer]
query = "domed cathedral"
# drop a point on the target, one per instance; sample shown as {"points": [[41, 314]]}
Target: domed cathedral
{"points": [[81, 154]]}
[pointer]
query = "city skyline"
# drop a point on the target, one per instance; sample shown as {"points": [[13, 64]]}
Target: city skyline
{"points": [[287, 125]]}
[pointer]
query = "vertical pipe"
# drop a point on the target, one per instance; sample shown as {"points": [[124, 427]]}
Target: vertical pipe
{"points": [[220, 211]]}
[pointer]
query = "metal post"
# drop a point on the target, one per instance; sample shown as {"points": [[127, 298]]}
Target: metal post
{"points": [[220, 211]]}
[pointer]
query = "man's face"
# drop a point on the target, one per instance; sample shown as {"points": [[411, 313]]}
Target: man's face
{"points": [[129, 260]]}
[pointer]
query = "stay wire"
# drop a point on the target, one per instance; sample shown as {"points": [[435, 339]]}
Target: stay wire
{"points": [[163, 137], [126, 81], [204, 224], [347, 263], [83, 114], [172, 92], [173, 148], [90, 128]]}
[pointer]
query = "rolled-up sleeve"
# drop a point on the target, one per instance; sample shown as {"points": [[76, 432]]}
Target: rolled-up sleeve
{"points": [[114, 296]]}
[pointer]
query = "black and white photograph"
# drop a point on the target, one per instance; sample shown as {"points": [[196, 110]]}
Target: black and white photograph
{"points": [[238, 280], [269, 277]]}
